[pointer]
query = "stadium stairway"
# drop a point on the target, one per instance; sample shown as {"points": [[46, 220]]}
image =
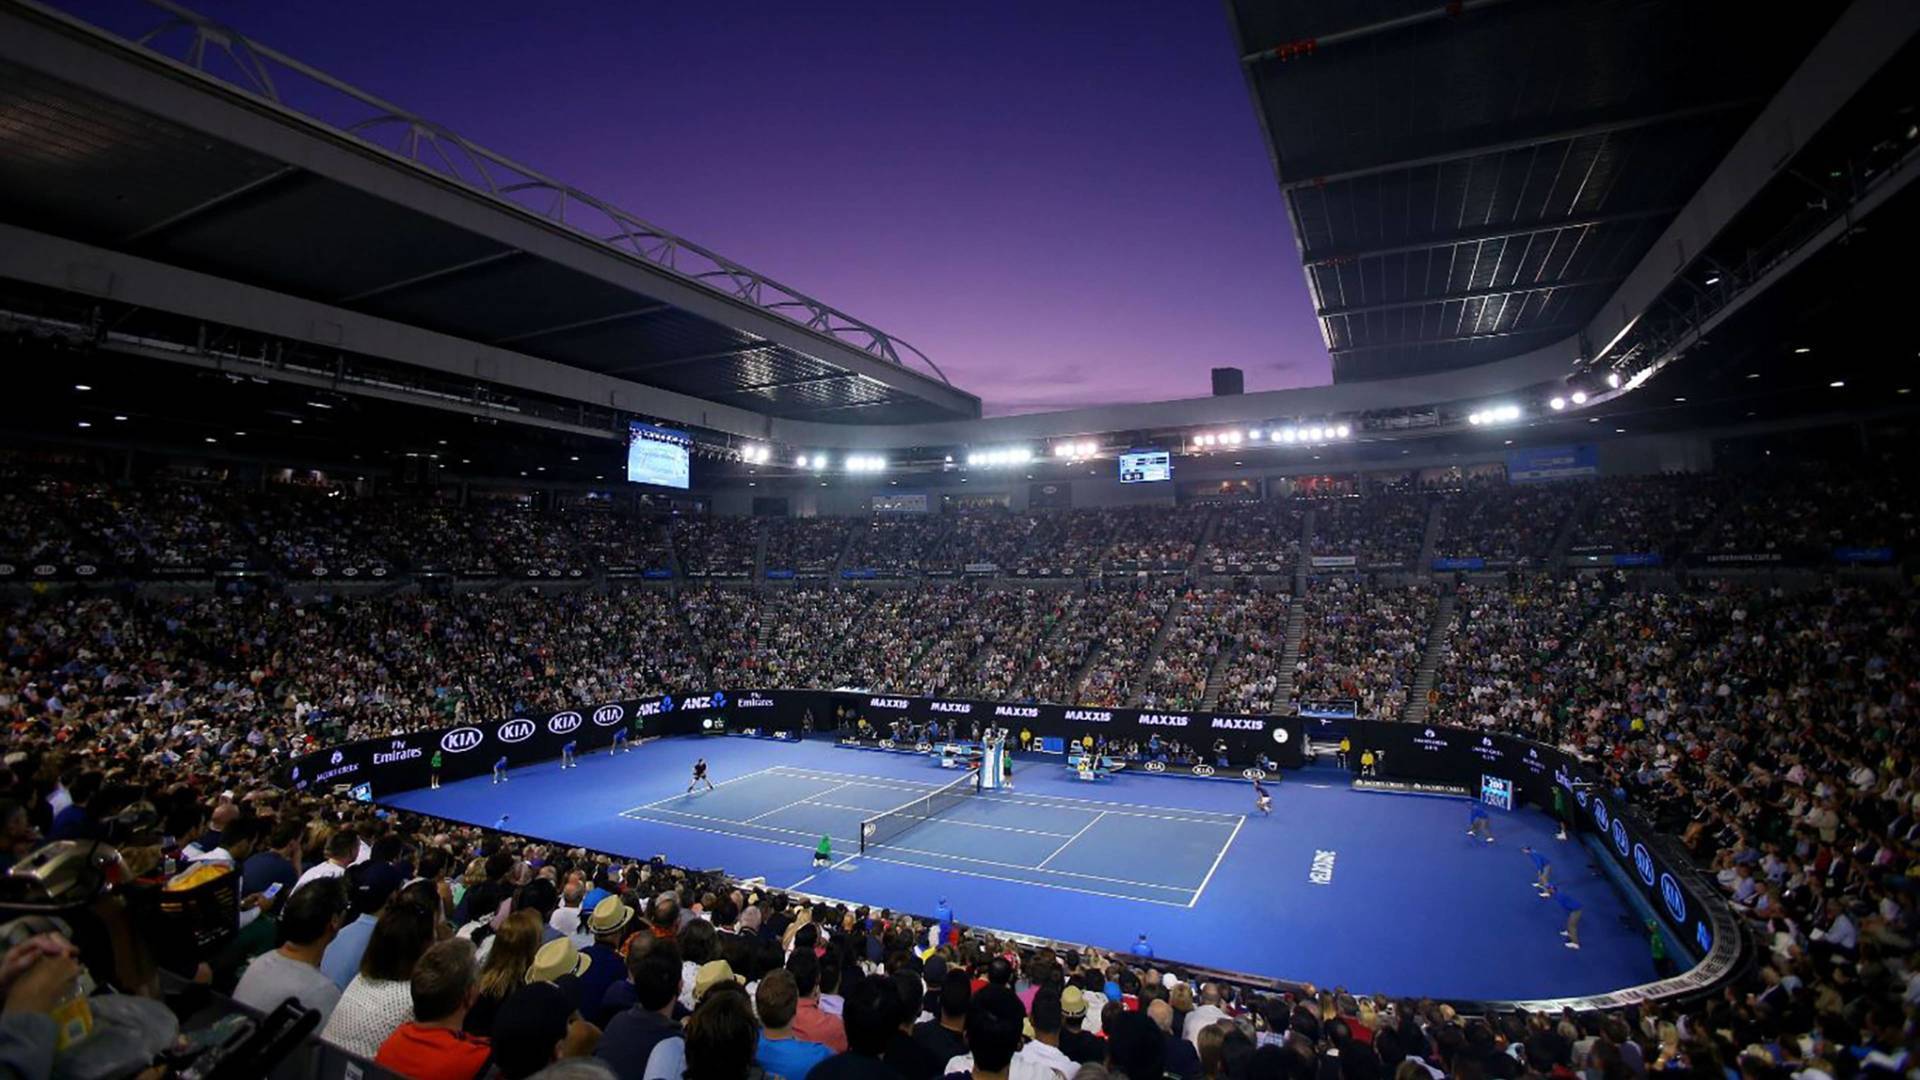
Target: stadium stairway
{"points": [[759, 553], [1432, 538], [1196, 565], [1557, 554], [1438, 638], [1303, 564], [1217, 674], [1138, 697], [1290, 653]]}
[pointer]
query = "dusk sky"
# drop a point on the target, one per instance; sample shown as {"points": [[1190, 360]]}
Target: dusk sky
{"points": [[1063, 203]]}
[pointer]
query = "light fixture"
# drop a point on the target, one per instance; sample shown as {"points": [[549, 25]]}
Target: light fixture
{"points": [[1253, 435], [295, 420], [83, 424], [1556, 403], [240, 434], [212, 439], [1613, 379], [1802, 351], [1290, 435], [82, 387], [119, 418], [572, 457], [819, 462], [1753, 374], [1061, 450], [1345, 431], [1837, 383], [800, 461], [1680, 400], [319, 404], [1619, 431], [1579, 397], [1714, 280]]}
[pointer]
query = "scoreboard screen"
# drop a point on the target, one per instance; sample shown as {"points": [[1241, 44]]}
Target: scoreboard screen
{"points": [[1145, 466]]}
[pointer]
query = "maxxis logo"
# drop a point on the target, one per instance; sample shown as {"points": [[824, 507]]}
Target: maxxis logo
{"points": [[514, 731], [1676, 899], [566, 722], [461, 740], [1643, 862], [604, 716]]}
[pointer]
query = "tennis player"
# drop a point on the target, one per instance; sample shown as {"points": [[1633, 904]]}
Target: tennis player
{"points": [[1542, 871], [1478, 823], [700, 777], [1262, 798]]}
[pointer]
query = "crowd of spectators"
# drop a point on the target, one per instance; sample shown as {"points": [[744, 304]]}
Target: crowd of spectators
{"points": [[1648, 514], [1510, 524], [809, 546], [715, 547], [1362, 642], [1254, 537], [1380, 529], [1771, 731]]}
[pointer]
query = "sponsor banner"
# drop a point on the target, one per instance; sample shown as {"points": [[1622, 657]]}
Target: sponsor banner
{"points": [[1411, 787], [1739, 558], [1465, 562], [781, 575], [981, 568], [1542, 464], [1637, 558], [1874, 556], [1329, 562], [900, 504], [43, 570], [864, 573]]}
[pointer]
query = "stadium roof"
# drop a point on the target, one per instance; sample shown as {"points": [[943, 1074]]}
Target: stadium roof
{"points": [[197, 150], [1468, 181]]}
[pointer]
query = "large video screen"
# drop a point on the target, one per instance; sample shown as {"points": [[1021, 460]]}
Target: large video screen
{"points": [[657, 455], [1145, 466]]}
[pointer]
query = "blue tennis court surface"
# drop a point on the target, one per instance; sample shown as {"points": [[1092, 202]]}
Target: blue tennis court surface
{"points": [[1066, 843], [1381, 893]]}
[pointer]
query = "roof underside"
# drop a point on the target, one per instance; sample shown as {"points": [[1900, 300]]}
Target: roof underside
{"points": [[82, 165], [1471, 181]]}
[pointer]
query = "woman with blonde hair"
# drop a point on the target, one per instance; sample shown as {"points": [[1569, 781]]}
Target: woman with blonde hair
{"points": [[514, 946]]}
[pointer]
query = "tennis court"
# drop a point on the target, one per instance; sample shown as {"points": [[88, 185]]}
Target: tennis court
{"points": [[1050, 841]]}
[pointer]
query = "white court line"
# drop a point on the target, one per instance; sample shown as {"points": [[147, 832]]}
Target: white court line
{"points": [[1071, 839], [830, 869], [944, 820], [1053, 802], [822, 774], [791, 805], [1216, 863], [934, 854], [937, 869], [721, 784]]}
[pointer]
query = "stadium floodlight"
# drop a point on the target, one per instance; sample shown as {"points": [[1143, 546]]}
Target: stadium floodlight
{"points": [[1289, 435], [82, 387], [1089, 449], [1613, 380], [1476, 419], [800, 461], [819, 462], [1254, 434], [1316, 434], [1579, 397], [1061, 450], [1556, 403], [1022, 455], [83, 424], [1345, 431]]}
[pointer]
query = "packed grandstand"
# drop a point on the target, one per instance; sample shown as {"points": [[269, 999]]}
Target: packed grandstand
{"points": [[349, 685]]}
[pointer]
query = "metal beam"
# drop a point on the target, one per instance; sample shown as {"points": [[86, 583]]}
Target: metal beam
{"points": [[1306, 46], [1604, 127], [582, 324], [431, 275], [1468, 294], [214, 203], [1496, 231], [1457, 339], [698, 358]]}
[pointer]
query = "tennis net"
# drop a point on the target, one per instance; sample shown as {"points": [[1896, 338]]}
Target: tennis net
{"points": [[886, 827]]}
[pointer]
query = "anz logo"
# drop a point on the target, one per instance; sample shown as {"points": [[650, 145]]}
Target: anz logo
{"points": [[1643, 862], [715, 700], [1600, 815], [1620, 835], [514, 731], [1676, 900], [653, 708], [563, 723], [461, 740]]}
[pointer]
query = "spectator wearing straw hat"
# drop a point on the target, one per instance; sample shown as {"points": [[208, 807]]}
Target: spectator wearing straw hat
{"points": [[537, 1027], [559, 963], [608, 924]]}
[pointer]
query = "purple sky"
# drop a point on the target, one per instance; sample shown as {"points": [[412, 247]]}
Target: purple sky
{"points": [[1063, 204]]}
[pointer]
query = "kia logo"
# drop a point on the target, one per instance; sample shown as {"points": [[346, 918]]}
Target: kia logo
{"points": [[1255, 774], [461, 740], [86, 569], [1620, 835], [1643, 862], [351, 571], [1280, 735], [561, 723], [515, 731], [45, 569], [604, 716], [7, 569], [337, 758], [318, 571], [1203, 770], [1156, 766], [1676, 900]]}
